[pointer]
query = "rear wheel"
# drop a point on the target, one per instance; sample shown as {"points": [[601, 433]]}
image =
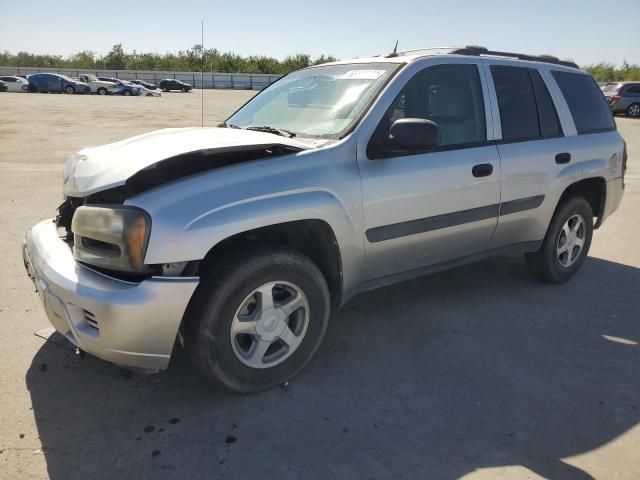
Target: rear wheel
{"points": [[566, 243], [257, 318], [634, 110], [102, 91]]}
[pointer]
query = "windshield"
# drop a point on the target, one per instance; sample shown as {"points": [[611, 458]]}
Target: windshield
{"points": [[317, 102], [611, 88]]}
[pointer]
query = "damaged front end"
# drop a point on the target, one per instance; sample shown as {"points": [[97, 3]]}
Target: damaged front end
{"points": [[120, 253]]}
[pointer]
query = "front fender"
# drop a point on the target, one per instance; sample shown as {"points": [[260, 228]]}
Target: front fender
{"points": [[176, 238]]}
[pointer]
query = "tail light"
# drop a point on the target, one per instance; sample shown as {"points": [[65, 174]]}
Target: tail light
{"points": [[614, 98]]}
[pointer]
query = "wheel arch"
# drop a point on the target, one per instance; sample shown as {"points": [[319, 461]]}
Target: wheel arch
{"points": [[592, 189], [312, 237]]}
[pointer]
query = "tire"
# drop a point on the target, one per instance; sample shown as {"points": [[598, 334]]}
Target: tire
{"points": [[184, 89], [220, 299], [149, 95], [633, 110], [165, 90], [126, 93], [102, 91], [547, 264], [69, 90]]}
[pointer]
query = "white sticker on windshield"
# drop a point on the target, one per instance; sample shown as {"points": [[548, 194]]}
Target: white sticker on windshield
{"points": [[362, 74]]}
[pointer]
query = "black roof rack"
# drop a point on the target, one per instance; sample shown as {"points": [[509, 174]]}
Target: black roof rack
{"points": [[477, 50]]}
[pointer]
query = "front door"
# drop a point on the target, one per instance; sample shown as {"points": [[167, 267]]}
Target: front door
{"points": [[424, 208]]}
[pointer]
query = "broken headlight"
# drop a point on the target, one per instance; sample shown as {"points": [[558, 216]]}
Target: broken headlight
{"points": [[114, 238]]}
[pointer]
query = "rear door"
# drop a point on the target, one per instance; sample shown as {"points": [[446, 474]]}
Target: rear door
{"points": [[533, 151], [425, 208]]}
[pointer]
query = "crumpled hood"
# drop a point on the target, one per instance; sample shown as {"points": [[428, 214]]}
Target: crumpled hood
{"points": [[98, 168]]}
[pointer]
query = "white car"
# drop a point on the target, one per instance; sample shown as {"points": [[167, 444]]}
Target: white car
{"points": [[16, 84], [146, 92], [98, 86]]}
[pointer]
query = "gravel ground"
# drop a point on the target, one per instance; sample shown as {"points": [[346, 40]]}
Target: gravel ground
{"points": [[477, 372]]}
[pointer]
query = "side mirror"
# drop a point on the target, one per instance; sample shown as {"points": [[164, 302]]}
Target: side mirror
{"points": [[414, 134]]}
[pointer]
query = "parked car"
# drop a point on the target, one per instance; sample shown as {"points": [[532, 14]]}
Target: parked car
{"points": [[238, 241], [3, 86], [149, 93], [173, 84], [124, 87], [98, 86], [623, 97], [56, 83], [148, 85], [15, 84]]}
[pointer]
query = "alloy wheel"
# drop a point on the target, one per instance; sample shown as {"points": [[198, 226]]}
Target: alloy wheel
{"points": [[270, 324], [571, 240]]}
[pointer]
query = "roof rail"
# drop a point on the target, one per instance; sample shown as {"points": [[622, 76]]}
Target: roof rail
{"points": [[477, 50]]}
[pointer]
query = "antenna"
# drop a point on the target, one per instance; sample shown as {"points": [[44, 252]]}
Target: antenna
{"points": [[394, 53], [202, 73]]}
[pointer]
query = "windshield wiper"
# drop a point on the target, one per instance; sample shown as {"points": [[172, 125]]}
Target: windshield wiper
{"points": [[277, 131]]}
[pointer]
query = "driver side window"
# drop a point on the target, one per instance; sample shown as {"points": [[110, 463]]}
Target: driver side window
{"points": [[449, 95]]}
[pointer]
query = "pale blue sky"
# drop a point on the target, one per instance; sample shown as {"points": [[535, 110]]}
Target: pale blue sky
{"points": [[585, 30]]}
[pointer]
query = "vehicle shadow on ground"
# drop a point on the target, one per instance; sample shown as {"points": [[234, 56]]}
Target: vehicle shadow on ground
{"points": [[433, 378]]}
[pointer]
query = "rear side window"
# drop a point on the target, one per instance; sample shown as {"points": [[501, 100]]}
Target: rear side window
{"points": [[549, 123], [587, 104], [517, 103]]}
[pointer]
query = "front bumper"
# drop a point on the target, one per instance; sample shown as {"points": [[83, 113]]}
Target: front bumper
{"points": [[126, 323]]}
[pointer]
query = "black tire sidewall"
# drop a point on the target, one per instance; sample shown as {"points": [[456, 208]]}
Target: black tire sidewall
{"points": [[629, 111], [217, 302], [553, 269]]}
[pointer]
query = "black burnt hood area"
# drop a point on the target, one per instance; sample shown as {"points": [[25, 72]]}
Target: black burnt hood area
{"points": [[186, 165]]}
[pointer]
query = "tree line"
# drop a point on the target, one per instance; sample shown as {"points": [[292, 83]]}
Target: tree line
{"points": [[183, 61], [191, 60]]}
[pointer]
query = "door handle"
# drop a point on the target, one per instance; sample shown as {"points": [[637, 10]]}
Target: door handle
{"points": [[482, 170], [563, 158]]}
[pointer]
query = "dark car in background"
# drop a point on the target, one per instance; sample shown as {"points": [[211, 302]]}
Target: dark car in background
{"points": [[148, 85], [124, 87], [55, 83], [173, 84], [623, 97]]}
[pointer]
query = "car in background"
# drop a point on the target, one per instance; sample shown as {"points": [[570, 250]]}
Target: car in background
{"points": [[146, 92], [98, 86], [55, 83], [173, 84], [623, 97], [124, 87], [148, 85], [3, 86], [15, 84]]}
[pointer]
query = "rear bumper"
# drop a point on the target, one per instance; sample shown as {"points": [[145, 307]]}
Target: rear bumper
{"points": [[126, 323], [615, 190]]}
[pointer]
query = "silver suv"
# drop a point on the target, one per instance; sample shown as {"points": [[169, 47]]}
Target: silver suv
{"points": [[237, 241]]}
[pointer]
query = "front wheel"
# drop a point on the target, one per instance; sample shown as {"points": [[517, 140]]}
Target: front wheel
{"points": [[102, 91], [634, 110], [69, 90], [257, 318], [566, 243], [126, 93]]}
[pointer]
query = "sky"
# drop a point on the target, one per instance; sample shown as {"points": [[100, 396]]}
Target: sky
{"points": [[587, 31]]}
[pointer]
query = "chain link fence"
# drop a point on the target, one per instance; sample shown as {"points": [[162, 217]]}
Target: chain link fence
{"points": [[239, 81]]}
